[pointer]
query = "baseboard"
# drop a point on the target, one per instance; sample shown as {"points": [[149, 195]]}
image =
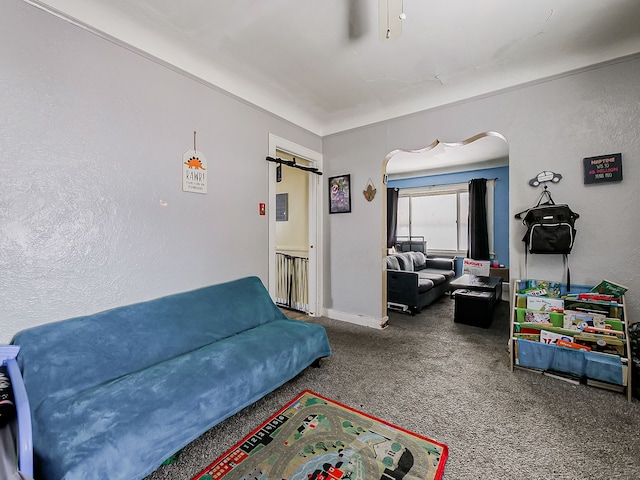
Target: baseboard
{"points": [[505, 291], [364, 320]]}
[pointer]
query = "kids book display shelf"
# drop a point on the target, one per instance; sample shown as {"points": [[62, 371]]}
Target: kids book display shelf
{"points": [[580, 337]]}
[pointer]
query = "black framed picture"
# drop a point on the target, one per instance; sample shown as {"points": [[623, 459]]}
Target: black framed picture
{"points": [[340, 194]]}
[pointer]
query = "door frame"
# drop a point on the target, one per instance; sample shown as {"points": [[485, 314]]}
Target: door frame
{"points": [[315, 216]]}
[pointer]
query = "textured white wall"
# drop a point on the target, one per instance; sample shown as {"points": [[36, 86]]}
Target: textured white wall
{"points": [[353, 241], [549, 126], [91, 140]]}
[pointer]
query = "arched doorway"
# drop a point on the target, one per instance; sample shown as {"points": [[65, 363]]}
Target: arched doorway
{"points": [[436, 177]]}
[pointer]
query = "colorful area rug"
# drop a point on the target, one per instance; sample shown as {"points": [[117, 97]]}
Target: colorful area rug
{"points": [[314, 438]]}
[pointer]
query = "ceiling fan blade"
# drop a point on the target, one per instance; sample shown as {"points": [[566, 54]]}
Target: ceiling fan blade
{"points": [[357, 19]]}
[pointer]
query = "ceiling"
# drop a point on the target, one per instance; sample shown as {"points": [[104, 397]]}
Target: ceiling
{"points": [[294, 58], [484, 150]]}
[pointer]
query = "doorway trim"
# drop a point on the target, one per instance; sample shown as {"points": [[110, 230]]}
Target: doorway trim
{"points": [[315, 216], [479, 164]]}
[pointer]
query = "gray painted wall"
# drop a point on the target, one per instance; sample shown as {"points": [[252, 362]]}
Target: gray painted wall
{"points": [[549, 126], [91, 143]]}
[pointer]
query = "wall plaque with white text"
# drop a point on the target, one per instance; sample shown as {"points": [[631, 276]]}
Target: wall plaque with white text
{"points": [[605, 168]]}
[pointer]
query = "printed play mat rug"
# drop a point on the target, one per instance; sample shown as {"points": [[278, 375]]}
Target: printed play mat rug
{"points": [[314, 438]]}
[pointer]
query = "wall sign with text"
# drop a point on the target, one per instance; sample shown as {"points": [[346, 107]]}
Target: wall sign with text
{"points": [[605, 168], [194, 172]]}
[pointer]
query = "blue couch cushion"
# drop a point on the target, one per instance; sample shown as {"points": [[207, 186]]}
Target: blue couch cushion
{"points": [[129, 338], [156, 411]]}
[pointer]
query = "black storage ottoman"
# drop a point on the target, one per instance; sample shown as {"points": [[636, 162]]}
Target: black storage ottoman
{"points": [[473, 307]]}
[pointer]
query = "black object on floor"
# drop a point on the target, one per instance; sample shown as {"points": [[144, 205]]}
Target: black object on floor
{"points": [[473, 307]]}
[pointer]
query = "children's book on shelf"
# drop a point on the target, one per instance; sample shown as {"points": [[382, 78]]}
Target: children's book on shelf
{"points": [[610, 308], [539, 288], [575, 346], [537, 317], [552, 338], [597, 296], [534, 337], [608, 287], [577, 320], [602, 343], [545, 304], [605, 331]]}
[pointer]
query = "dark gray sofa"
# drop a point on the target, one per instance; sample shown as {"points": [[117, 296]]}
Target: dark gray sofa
{"points": [[415, 280]]}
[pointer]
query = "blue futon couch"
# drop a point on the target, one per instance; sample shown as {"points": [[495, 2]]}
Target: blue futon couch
{"points": [[114, 394]]}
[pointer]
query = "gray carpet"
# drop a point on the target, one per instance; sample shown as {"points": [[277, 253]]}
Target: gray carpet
{"points": [[452, 383]]}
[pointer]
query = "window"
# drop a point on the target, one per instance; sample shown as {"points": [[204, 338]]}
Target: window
{"points": [[440, 215]]}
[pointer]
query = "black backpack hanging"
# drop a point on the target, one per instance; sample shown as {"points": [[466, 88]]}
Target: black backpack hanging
{"points": [[550, 229]]}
